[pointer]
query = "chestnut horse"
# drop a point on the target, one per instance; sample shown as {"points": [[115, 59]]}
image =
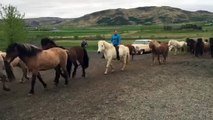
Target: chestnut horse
{"points": [[76, 54], [159, 49], [132, 50], [37, 60]]}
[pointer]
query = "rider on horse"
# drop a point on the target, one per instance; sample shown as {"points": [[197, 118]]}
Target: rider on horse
{"points": [[116, 40]]}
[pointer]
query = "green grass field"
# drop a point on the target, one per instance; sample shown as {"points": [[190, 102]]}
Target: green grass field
{"points": [[69, 37]]}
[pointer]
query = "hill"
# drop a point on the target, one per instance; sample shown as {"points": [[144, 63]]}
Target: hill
{"points": [[133, 16]]}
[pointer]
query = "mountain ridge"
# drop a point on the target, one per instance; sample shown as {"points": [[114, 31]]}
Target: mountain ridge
{"points": [[132, 16]]}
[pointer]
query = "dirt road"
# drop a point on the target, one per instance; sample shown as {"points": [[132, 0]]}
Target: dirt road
{"points": [[182, 89]]}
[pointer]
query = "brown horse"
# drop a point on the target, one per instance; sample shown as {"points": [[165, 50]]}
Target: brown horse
{"points": [[159, 49], [76, 54], [37, 60], [132, 50]]}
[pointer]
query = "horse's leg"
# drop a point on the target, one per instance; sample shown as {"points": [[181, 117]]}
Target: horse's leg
{"points": [[159, 59], [57, 74], [63, 67], [24, 75], [75, 68], [176, 50], [112, 67], [41, 80], [83, 71], [4, 85], [69, 67], [153, 58], [107, 66], [33, 83], [83, 67], [124, 63]]}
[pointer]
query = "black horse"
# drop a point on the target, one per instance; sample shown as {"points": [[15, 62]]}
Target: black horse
{"points": [[76, 54]]}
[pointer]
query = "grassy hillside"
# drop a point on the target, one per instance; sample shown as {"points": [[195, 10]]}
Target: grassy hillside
{"points": [[72, 36], [133, 16]]}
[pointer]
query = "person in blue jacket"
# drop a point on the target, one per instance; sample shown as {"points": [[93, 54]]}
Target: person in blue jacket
{"points": [[116, 40]]}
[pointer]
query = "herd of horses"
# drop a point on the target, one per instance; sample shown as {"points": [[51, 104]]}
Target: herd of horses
{"points": [[33, 59]]}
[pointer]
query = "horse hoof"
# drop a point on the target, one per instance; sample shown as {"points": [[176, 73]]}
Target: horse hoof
{"points": [[45, 86], [21, 82], [6, 89], [30, 93], [84, 76], [105, 73]]}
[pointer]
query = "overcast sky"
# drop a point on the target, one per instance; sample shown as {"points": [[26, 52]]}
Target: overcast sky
{"points": [[77, 8]]}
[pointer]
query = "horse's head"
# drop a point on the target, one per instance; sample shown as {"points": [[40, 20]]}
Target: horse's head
{"points": [[47, 43], [11, 52], [170, 47], [101, 46], [153, 44], [190, 42]]}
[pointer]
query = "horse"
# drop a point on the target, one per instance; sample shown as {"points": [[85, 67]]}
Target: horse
{"points": [[76, 54], [158, 49], [17, 62], [174, 44], [132, 50], [206, 48], [199, 47], [37, 60], [191, 45], [2, 74], [110, 54], [211, 46]]}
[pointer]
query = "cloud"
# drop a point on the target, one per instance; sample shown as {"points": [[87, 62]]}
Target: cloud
{"points": [[77, 8]]}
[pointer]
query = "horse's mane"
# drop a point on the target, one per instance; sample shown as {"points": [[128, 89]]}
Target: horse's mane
{"points": [[154, 44], [49, 43], [24, 49], [107, 43]]}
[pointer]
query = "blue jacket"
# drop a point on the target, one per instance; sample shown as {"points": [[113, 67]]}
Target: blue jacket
{"points": [[116, 39]]}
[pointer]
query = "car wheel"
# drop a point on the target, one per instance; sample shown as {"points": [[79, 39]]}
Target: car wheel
{"points": [[141, 52]]}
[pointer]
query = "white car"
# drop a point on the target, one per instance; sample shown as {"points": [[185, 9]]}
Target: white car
{"points": [[141, 46]]}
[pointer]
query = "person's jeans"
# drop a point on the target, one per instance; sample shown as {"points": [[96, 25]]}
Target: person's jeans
{"points": [[117, 51]]}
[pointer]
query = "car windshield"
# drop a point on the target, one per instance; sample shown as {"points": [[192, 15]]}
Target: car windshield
{"points": [[141, 42]]}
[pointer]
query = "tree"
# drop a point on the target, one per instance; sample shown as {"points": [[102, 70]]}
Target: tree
{"points": [[13, 26]]}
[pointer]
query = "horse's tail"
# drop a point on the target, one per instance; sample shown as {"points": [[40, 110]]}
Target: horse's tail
{"points": [[85, 59], [9, 71], [69, 63]]}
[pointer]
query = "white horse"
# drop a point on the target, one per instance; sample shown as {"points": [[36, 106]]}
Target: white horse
{"points": [[176, 45], [110, 54]]}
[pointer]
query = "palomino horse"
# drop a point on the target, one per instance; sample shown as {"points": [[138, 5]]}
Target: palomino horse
{"points": [[76, 54], [2, 74], [174, 44], [110, 54], [158, 49], [37, 60], [17, 62], [132, 50]]}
